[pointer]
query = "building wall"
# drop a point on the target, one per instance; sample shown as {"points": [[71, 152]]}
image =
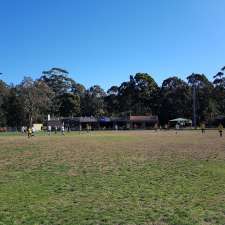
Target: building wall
{"points": [[134, 122], [38, 126]]}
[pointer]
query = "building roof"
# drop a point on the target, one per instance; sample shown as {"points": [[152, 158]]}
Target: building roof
{"points": [[143, 118], [181, 120], [105, 119], [88, 119], [118, 119], [54, 122]]}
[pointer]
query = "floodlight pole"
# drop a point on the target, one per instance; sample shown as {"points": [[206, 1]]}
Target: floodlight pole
{"points": [[194, 105]]}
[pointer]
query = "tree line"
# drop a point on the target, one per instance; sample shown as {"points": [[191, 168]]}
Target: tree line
{"points": [[57, 94]]}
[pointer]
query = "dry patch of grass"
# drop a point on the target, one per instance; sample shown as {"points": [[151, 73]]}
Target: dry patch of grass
{"points": [[136, 177]]}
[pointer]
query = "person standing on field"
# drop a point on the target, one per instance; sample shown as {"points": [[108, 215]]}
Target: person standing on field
{"points": [[23, 130], [56, 128], [33, 130], [49, 130], [29, 132], [220, 129], [156, 127], [63, 130], [177, 127], [203, 128], [166, 126]]}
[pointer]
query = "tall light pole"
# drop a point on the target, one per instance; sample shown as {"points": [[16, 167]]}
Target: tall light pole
{"points": [[194, 104]]}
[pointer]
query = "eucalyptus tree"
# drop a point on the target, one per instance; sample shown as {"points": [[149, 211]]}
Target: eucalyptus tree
{"points": [[112, 101], [14, 108], [66, 92], [175, 99], [219, 91], [139, 95], [93, 102], [36, 98], [4, 90], [202, 90], [69, 105]]}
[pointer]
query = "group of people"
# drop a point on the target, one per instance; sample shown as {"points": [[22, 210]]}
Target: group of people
{"points": [[56, 129], [202, 127], [220, 129], [29, 130]]}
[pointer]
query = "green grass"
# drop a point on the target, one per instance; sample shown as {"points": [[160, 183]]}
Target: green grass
{"points": [[108, 179]]}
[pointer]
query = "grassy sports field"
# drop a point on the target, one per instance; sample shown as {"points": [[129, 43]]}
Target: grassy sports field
{"points": [[132, 177]]}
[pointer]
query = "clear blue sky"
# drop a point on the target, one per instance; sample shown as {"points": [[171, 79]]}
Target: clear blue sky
{"points": [[104, 41]]}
